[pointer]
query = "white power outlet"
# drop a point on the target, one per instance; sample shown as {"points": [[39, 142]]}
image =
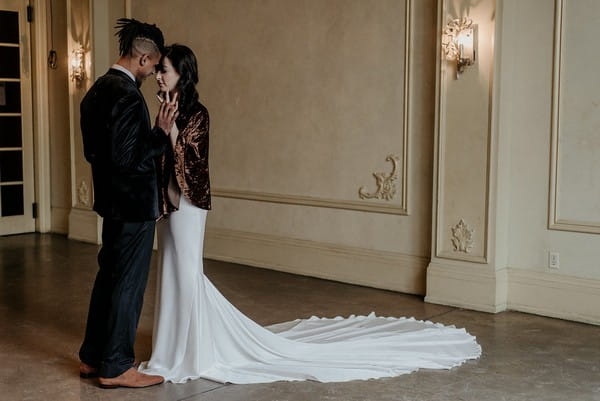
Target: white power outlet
{"points": [[553, 260]]}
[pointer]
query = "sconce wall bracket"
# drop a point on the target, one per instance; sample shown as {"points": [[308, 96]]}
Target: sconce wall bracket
{"points": [[458, 43], [78, 65]]}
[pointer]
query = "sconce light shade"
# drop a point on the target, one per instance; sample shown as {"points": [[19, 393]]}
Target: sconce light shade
{"points": [[78, 65], [459, 42]]}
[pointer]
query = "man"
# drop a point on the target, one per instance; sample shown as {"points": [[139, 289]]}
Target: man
{"points": [[122, 147]]}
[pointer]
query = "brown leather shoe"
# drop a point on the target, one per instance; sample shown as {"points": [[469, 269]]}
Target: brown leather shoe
{"points": [[87, 371], [130, 378]]}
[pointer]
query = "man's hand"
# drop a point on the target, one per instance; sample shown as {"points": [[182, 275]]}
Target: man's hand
{"points": [[167, 113]]}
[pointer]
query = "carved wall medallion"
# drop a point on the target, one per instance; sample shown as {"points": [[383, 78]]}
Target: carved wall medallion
{"points": [[83, 193], [462, 237], [386, 189]]}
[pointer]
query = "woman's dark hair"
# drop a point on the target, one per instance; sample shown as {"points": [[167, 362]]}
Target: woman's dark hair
{"points": [[184, 61]]}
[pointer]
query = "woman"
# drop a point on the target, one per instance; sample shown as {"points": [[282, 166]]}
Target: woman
{"points": [[198, 333]]}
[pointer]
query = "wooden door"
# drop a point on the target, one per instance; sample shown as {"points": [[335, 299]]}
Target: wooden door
{"points": [[16, 121]]}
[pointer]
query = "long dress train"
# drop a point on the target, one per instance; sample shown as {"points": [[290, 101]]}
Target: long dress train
{"points": [[199, 334]]}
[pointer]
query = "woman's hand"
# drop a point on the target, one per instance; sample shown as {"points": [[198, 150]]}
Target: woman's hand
{"points": [[167, 113]]}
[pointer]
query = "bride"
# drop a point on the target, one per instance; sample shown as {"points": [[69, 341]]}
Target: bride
{"points": [[199, 334]]}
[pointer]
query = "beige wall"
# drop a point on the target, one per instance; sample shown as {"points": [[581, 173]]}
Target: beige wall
{"points": [[58, 102], [106, 47], [528, 117], [540, 157], [92, 27], [307, 99], [83, 221]]}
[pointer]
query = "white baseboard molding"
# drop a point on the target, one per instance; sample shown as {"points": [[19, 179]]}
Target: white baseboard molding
{"points": [[85, 225], [379, 269], [554, 295], [474, 286], [60, 220]]}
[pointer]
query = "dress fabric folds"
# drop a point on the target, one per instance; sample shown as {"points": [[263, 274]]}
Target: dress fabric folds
{"points": [[199, 334]]}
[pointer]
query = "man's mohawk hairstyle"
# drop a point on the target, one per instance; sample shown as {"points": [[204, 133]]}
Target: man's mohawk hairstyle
{"points": [[129, 29]]}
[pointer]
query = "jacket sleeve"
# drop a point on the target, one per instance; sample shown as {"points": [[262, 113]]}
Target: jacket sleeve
{"points": [[191, 160], [88, 122], [134, 145], [197, 139]]}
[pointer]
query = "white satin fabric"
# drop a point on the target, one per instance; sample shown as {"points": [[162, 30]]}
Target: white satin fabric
{"points": [[199, 334]]}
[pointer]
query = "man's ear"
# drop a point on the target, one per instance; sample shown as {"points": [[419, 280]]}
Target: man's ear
{"points": [[144, 58]]}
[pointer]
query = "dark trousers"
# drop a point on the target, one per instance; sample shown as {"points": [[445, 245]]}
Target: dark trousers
{"points": [[117, 297]]}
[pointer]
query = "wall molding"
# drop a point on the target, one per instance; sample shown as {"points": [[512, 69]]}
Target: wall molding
{"points": [[467, 286], [459, 285], [72, 105], [517, 289], [308, 201], [555, 222], [439, 229], [365, 206], [85, 225], [462, 237], [554, 295], [41, 132], [60, 220], [386, 189], [408, 46], [387, 270]]}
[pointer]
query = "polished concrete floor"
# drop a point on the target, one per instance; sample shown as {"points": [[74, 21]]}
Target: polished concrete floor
{"points": [[45, 283]]}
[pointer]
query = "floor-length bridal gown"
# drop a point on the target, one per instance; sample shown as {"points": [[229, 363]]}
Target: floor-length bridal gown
{"points": [[199, 334]]}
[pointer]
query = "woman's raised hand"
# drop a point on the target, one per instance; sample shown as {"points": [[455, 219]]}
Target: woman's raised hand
{"points": [[167, 113]]}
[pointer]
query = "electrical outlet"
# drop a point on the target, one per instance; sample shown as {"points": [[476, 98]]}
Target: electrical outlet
{"points": [[553, 260]]}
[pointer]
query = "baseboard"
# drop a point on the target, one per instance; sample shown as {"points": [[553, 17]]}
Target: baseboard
{"points": [[379, 269], [60, 220], [554, 295], [85, 225], [473, 286]]}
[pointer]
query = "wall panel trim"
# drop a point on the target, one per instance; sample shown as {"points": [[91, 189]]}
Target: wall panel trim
{"points": [[308, 201], [554, 295], [439, 228], [555, 222], [380, 269], [365, 206]]}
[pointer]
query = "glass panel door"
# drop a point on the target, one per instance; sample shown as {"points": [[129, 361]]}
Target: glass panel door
{"points": [[16, 145]]}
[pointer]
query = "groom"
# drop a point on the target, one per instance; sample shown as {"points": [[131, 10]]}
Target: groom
{"points": [[121, 146]]}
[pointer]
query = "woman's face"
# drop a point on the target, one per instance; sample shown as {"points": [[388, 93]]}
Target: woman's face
{"points": [[167, 77]]}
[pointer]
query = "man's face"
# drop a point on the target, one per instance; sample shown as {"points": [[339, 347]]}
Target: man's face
{"points": [[147, 65]]}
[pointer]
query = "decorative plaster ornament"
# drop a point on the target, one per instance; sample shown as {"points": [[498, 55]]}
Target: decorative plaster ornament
{"points": [[462, 237], [386, 189], [83, 193]]}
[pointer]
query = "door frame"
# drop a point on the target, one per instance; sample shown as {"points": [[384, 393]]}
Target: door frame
{"points": [[41, 115], [27, 221]]}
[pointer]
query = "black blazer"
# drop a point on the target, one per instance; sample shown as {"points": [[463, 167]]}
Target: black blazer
{"points": [[121, 146]]}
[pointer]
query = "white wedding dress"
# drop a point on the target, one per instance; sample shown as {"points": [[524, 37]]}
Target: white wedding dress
{"points": [[199, 334]]}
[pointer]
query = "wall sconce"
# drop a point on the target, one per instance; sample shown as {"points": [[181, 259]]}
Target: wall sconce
{"points": [[458, 43], [78, 65]]}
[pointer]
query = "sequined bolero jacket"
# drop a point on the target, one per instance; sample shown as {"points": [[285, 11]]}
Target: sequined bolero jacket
{"points": [[189, 160]]}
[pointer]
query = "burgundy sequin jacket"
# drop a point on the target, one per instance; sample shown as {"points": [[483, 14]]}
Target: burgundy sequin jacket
{"points": [[189, 161]]}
